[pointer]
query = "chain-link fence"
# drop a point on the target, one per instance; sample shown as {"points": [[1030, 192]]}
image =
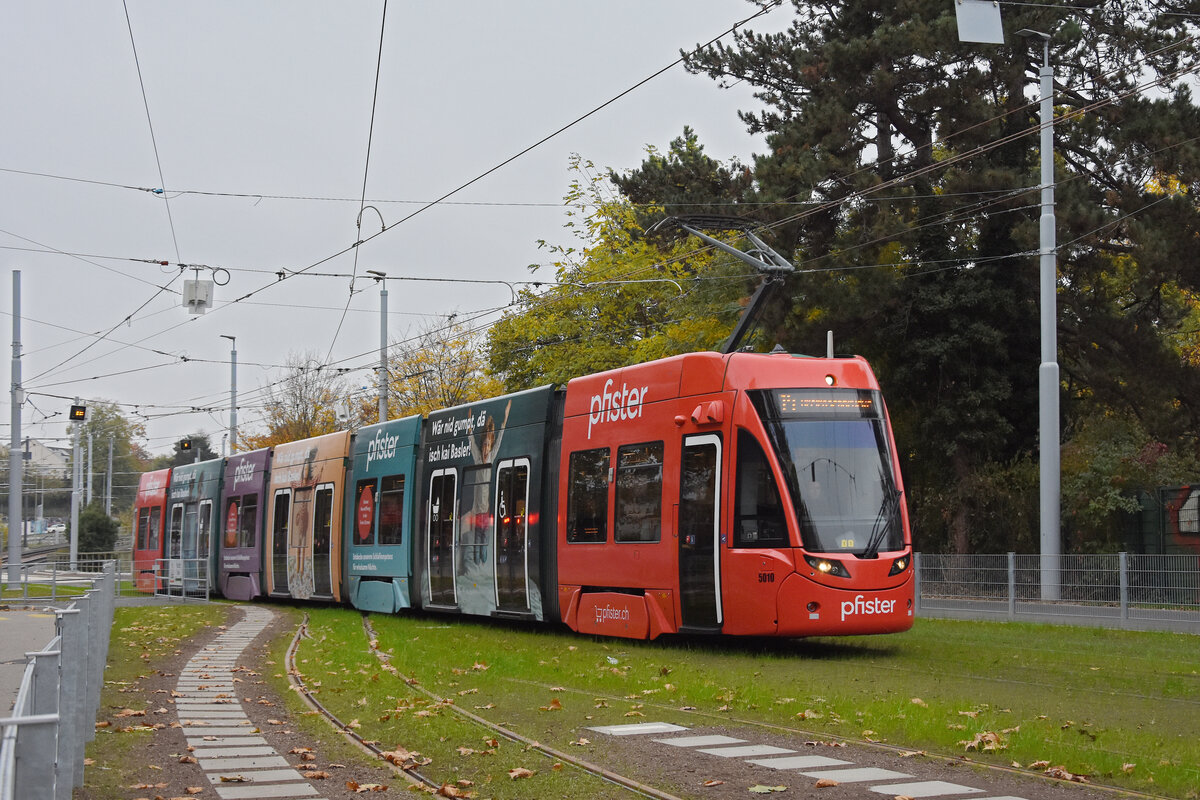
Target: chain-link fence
{"points": [[1116, 589]]}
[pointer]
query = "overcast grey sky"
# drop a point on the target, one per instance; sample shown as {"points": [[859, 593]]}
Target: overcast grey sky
{"points": [[256, 105]]}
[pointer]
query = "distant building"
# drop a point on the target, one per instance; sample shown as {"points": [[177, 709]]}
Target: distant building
{"points": [[44, 459]]}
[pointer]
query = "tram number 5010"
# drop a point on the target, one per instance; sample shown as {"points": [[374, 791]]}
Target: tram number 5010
{"points": [[766, 577]]}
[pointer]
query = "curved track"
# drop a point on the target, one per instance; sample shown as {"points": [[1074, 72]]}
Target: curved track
{"points": [[410, 770], [631, 784]]}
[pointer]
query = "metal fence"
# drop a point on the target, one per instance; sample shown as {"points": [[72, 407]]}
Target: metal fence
{"points": [[42, 743], [53, 580], [182, 578], [1147, 592]]}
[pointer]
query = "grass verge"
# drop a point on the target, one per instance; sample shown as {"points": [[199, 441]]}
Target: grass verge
{"points": [[348, 679], [143, 640], [1122, 708]]}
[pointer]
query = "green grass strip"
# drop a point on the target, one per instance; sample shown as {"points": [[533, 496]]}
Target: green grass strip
{"points": [[1122, 708]]}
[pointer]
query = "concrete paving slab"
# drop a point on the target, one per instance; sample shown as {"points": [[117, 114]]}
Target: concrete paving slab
{"points": [[700, 741], [637, 728], [226, 764], [857, 775], [278, 791], [226, 741], [233, 752], [926, 789], [258, 776], [799, 762], [746, 751]]}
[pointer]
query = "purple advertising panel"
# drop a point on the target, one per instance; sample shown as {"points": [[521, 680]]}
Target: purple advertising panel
{"points": [[241, 525]]}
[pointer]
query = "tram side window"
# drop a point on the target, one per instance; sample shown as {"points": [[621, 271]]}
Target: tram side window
{"points": [[175, 534], [759, 520], [639, 493], [279, 536], [391, 510], [323, 519], [155, 521], [204, 529], [364, 513], [246, 520], [143, 528], [587, 496]]}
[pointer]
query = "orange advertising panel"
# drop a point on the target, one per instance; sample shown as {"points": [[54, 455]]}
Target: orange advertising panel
{"points": [[304, 520]]}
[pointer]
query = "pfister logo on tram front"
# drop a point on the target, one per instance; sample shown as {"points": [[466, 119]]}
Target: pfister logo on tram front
{"points": [[866, 606], [614, 405]]}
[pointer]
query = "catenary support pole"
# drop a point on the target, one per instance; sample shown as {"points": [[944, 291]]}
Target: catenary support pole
{"points": [[15, 464], [232, 392], [1048, 380]]}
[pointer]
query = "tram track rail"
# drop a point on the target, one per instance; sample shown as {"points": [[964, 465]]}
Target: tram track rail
{"points": [[414, 775], [33, 555], [720, 719], [296, 681], [595, 770]]}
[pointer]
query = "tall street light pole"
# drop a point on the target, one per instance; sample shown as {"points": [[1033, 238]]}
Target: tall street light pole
{"points": [[979, 21], [15, 464], [232, 391], [1048, 380], [383, 332]]}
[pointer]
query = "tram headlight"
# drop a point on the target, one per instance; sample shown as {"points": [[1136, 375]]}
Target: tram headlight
{"points": [[899, 565], [827, 566]]}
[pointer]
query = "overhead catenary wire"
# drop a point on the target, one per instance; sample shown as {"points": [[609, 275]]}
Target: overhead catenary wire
{"points": [[861, 198], [362, 201], [291, 273], [150, 123]]}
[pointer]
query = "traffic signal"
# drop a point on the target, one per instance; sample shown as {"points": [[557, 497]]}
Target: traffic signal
{"points": [[185, 444], [78, 413]]}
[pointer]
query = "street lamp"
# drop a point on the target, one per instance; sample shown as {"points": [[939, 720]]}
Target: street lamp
{"points": [[232, 392], [1048, 381], [383, 363], [979, 21]]}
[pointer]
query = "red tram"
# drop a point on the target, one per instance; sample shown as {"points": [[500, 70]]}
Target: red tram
{"points": [[729, 493], [149, 519], [743, 494]]}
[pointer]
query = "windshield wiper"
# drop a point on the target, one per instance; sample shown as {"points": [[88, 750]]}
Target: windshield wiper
{"points": [[888, 512]]}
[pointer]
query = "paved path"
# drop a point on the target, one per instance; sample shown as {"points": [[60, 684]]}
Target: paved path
{"points": [[21, 631], [226, 744], [884, 782]]}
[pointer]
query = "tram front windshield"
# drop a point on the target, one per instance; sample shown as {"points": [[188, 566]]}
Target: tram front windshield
{"points": [[833, 446]]}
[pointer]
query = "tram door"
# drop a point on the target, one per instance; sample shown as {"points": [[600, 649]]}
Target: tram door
{"points": [[512, 535], [699, 527], [322, 541], [279, 540], [204, 541], [174, 549], [188, 552], [443, 501]]}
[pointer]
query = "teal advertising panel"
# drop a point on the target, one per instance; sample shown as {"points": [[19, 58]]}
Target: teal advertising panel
{"points": [[379, 515], [480, 517], [193, 503]]}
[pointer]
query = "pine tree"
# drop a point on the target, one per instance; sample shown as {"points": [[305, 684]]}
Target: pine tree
{"points": [[903, 169]]}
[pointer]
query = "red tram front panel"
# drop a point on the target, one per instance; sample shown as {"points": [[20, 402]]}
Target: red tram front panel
{"points": [[149, 517], [690, 500]]}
